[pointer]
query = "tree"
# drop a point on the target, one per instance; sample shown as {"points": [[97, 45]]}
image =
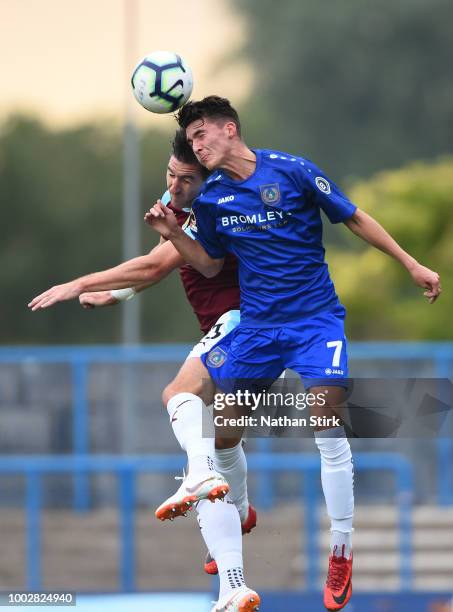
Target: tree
{"points": [[62, 218], [414, 205], [355, 86]]}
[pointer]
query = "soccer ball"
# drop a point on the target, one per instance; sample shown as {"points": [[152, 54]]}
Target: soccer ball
{"points": [[162, 82]]}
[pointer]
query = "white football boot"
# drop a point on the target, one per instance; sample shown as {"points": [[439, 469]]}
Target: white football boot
{"points": [[210, 485], [239, 600]]}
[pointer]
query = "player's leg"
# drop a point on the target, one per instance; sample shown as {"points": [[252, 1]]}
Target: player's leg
{"points": [[186, 398], [231, 462], [221, 530], [337, 480], [336, 466], [193, 427], [229, 457], [219, 523], [231, 359], [321, 360], [232, 364], [245, 357]]}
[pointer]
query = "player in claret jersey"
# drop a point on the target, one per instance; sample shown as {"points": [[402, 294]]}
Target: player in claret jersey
{"points": [[215, 301], [265, 207]]}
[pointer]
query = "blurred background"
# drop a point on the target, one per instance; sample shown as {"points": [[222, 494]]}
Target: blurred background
{"points": [[364, 90]]}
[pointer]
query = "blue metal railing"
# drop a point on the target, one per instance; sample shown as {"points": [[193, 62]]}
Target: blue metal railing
{"points": [[81, 357], [126, 470]]}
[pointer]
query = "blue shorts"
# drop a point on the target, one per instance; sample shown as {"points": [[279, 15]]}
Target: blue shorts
{"points": [[315, 348]]}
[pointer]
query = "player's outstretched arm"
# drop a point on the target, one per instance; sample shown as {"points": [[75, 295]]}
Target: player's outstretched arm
{"points": [[164, 221], [96, 299], [140, 271], [371, 231]]}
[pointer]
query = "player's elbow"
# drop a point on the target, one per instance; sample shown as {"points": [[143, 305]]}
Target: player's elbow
{"points": [[212, 268], [210, 272]]}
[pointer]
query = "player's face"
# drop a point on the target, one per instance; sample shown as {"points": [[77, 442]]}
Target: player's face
{"points": [[183, 182], [211, 141]]}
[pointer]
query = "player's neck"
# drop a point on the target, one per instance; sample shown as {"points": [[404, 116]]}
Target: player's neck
{"points": [[181, 205], [241, 162]]}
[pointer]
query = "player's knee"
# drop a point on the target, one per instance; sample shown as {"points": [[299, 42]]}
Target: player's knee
{"points": [[174, 388], [334, 451], [223, 443], [168, 393]]}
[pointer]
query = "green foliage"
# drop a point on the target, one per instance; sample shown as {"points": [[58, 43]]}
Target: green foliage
{"points": [[414, 205], [61, 197], [60, 194], [355, 85], [61, 205]]}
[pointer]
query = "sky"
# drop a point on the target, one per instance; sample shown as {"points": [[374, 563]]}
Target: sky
{"points": [[67, 61]]}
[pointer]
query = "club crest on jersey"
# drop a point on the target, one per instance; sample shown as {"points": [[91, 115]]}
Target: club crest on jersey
{"points": [[322, 184], [216, 357], [270, 194]]}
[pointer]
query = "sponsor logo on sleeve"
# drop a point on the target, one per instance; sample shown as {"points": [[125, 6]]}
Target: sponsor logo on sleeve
{"points": [[322, 184]]}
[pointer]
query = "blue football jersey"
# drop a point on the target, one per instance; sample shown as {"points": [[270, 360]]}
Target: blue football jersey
{"points": [[272, 223]]}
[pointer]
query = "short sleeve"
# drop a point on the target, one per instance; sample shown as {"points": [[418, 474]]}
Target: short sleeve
{"points": [[326, 194], [166, 198], [204, 230]]}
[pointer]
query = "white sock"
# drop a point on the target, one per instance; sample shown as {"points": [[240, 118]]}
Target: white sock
{"points": [[221, 530], [341, 543], [337, 479], [232, 464], [194, 430]]}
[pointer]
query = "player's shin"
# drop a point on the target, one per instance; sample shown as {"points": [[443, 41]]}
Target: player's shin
{"points": [[194, 430], [221, 530], [337, 479], [232, 464]]}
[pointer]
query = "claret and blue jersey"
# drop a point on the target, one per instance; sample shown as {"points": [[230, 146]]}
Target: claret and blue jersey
{"points": [[272, 223]]}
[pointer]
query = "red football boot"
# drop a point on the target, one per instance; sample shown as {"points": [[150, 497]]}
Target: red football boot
{"points": [[250, 521], [338, 589], [210, 566]]}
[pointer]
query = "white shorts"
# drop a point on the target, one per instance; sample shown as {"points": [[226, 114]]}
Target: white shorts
{"points": [[227, 322]]}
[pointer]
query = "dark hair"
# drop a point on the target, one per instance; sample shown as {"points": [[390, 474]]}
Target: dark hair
{"points": [[181, 149], [212, 107]]}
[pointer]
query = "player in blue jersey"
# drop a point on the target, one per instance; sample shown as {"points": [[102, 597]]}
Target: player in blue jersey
{"points": [[265, 207]]}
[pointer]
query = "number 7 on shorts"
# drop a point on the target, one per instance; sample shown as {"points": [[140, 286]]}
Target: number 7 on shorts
{"points": [[338, 345]]}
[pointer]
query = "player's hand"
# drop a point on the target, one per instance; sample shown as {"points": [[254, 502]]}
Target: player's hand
{"points": [[162, 219], [59, 293], [429, 280], [94, 299]]}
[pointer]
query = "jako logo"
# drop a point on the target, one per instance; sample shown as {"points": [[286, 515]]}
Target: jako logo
{"points": [[329, 371], [225, 199]]}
